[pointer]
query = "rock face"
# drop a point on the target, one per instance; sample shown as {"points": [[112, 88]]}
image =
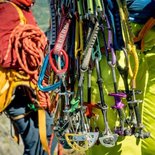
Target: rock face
{"points": [[42, 13], [7, 145]]}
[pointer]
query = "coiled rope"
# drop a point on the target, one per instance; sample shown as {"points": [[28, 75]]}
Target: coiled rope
{"points": [[29, 43]]}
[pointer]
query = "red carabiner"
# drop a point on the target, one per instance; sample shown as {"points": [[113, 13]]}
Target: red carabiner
{"points": [[63, 54]]}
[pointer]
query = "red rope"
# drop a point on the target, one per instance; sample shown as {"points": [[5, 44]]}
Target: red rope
{"points": [[29, 42]]}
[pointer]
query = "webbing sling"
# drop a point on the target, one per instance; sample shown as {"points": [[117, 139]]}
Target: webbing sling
{"points": [[147, 26]]}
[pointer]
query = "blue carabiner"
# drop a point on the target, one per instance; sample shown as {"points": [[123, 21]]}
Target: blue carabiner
{"points": [[41, 77]]}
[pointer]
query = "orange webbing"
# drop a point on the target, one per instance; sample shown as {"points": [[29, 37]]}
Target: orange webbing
{"points": [[149, 24], [60, 149], [29, 42]]}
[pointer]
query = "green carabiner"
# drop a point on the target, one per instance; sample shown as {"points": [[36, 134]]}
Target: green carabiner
{"points": [[32, 107], [90, 7], [80, 9], [99, 7], [74, 104]]}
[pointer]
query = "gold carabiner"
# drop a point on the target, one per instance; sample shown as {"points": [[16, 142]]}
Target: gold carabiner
{"points": [[128, 39]]}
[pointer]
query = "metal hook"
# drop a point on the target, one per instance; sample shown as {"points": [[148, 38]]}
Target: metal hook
{"points": [[41, 78]]}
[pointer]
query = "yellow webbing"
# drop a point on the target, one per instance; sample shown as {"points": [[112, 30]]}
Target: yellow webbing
{"points": [[9, 80], [13, 79], [16, 134], [42, 129], [128, 39]]}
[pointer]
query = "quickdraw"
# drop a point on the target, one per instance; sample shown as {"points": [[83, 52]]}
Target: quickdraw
{"points": [[134, 103], [108, 139], [41, 77], [58, 50], [117, 95], [53, 29]]}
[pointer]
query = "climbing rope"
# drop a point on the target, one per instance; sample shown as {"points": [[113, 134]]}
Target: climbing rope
{"points": [[29, 43]]}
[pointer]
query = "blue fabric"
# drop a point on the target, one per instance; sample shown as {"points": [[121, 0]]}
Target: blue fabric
{"points": [[141, 10], [27, 127]]}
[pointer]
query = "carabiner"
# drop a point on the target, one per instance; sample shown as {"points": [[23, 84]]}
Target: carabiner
{"points": [[99, 7], [41, 78], [90, 7], [79, 43], [80, 9]]}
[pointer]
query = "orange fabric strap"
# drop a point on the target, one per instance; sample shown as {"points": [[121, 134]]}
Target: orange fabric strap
{"points": [[148, 25]]}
